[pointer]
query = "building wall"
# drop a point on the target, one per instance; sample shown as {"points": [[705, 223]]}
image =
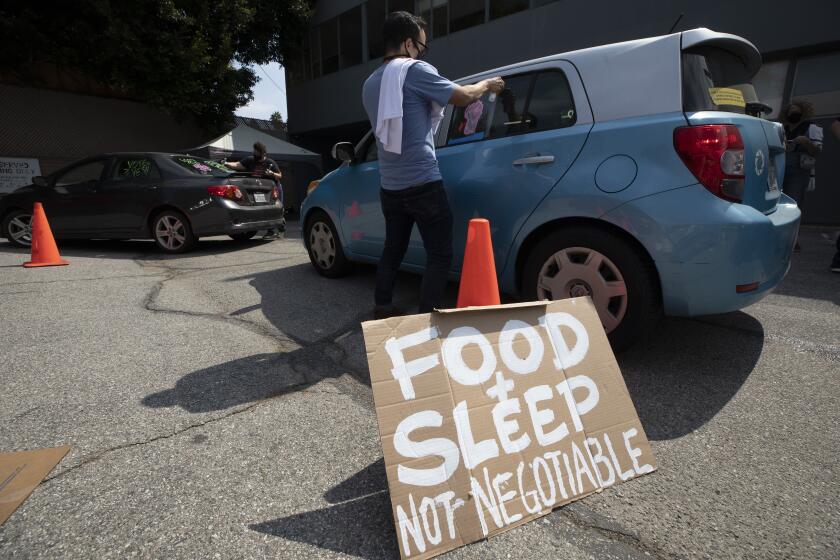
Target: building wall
{"points": [[327, 108], [59, 127]]}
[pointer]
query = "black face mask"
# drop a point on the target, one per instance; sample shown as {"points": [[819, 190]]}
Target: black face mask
{"points": [[794, 118]]}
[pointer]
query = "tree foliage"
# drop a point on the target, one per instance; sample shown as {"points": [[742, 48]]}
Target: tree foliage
{"points": [[187, 56]]}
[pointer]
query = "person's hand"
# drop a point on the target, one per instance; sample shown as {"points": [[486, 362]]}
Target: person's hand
{"points": [[802, 140], [496, 85]]}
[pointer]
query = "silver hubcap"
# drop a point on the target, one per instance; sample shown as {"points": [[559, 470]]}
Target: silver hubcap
{"points": [[170, 232], [20, 229], [322, 243], [579, 271]]}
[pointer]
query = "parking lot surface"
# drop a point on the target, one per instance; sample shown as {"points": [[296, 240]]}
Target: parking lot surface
{"points": [[218, 405]]}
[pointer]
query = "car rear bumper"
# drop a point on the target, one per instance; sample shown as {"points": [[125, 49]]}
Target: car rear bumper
{"points": [[221, 216], [705, 248]]}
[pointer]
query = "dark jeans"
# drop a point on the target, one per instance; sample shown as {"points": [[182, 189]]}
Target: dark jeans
{"points": [[428, 207]]}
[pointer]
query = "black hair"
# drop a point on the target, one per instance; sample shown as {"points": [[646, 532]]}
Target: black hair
{"points": [[259, 147], [400, 26]]}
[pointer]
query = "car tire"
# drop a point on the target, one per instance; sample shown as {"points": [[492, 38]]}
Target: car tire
{"points": [[172, 232], [579, 261], [244, 236], [324, 246], [17, 228]]}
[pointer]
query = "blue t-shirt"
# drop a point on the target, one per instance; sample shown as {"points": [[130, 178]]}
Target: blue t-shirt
{"points": [[417, 163]]}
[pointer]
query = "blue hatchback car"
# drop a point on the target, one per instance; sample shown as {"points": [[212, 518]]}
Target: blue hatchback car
{"points": [[633, 173]]}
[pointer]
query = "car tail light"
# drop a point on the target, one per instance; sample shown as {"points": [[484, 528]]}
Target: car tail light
{"points": [[230, 192], [312, 186], [275, 194], [714, 153]]}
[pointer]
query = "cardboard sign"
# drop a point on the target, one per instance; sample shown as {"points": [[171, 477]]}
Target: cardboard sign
{"points": [[491, 417], [21, 472], [17, 172]]}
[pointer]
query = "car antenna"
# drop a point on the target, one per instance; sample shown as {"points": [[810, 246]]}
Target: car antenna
{"points": [[675, 24]]}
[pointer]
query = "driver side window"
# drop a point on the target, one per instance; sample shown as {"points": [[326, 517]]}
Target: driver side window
{"points": [[91, 171]]}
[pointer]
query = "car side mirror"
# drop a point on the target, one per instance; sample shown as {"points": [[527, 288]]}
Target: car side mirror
{"points": [[40, 181], [344, 152]]}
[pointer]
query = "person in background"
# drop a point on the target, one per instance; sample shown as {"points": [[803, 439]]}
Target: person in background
{"points": [[404, 99], [835, 262], [804, 144], [260, 165]]}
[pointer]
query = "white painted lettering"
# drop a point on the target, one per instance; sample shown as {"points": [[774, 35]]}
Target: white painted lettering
{"points": [[635, 452], [474, 453], [441, 447], [541, 418], [402, 371]]}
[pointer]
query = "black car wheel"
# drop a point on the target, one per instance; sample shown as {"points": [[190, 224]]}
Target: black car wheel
{"points": [[17, 228], [588, 261], [172, 232], [324, 247], [245, 236]]}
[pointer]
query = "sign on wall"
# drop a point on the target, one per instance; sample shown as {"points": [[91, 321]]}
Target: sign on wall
{"points": [[492, 417], [17, 172]]}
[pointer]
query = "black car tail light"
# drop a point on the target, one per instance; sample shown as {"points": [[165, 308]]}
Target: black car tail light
{"points": [[230, 192]]}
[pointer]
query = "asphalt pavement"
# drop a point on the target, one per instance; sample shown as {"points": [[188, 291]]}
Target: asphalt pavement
{"points": [[219, 406]]}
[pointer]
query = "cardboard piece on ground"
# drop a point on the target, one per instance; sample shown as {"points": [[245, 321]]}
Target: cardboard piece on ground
{"points": [[492, 417], [21, 472]]}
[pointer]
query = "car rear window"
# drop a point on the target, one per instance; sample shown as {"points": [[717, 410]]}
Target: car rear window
{"points": [[201, 166], [715, 80]]}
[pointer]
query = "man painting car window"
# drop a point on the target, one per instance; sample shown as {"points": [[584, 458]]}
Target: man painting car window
{"points": [[403, 99], [260, 165]]}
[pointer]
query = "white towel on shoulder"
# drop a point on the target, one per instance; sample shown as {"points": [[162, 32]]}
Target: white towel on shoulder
{"points": [[389, 115]]}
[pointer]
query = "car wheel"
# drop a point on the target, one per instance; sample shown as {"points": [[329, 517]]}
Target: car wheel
{"points": [[592, 262], [324, 247], [245, 236], [17, 228], [172, 232]]}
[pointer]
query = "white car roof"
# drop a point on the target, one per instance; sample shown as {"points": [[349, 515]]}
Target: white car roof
{"points": [[640, 77]]}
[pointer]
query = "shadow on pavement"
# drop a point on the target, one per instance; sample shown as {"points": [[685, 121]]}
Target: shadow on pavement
{"points": [[363, 528], [233, 383], [691, 369], [369, 480]]}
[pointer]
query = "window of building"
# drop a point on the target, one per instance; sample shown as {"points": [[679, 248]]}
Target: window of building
{"points": [[818, 81], [465, 13], [440, 18], [508, 118], [375, 21], [551, 105], [350, 26], [315, 55], [401, 6], [502, 8], [769, 85], [436, 14], [424, 10], [329, 46]]}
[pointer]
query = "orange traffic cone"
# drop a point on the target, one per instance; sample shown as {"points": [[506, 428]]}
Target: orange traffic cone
{"points": [[479, 285], [44, 250]]}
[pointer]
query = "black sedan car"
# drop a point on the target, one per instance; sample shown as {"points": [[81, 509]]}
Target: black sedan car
{"points": [[173, 199]]}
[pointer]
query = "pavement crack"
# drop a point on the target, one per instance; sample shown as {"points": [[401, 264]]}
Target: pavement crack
{"points": [[99, 455], [582, 516]]}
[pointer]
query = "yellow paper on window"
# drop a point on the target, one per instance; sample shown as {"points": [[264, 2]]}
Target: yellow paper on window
{"points": [[727, 96]]}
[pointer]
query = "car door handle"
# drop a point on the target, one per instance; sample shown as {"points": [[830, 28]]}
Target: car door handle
{"points": [[534, 160]]}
